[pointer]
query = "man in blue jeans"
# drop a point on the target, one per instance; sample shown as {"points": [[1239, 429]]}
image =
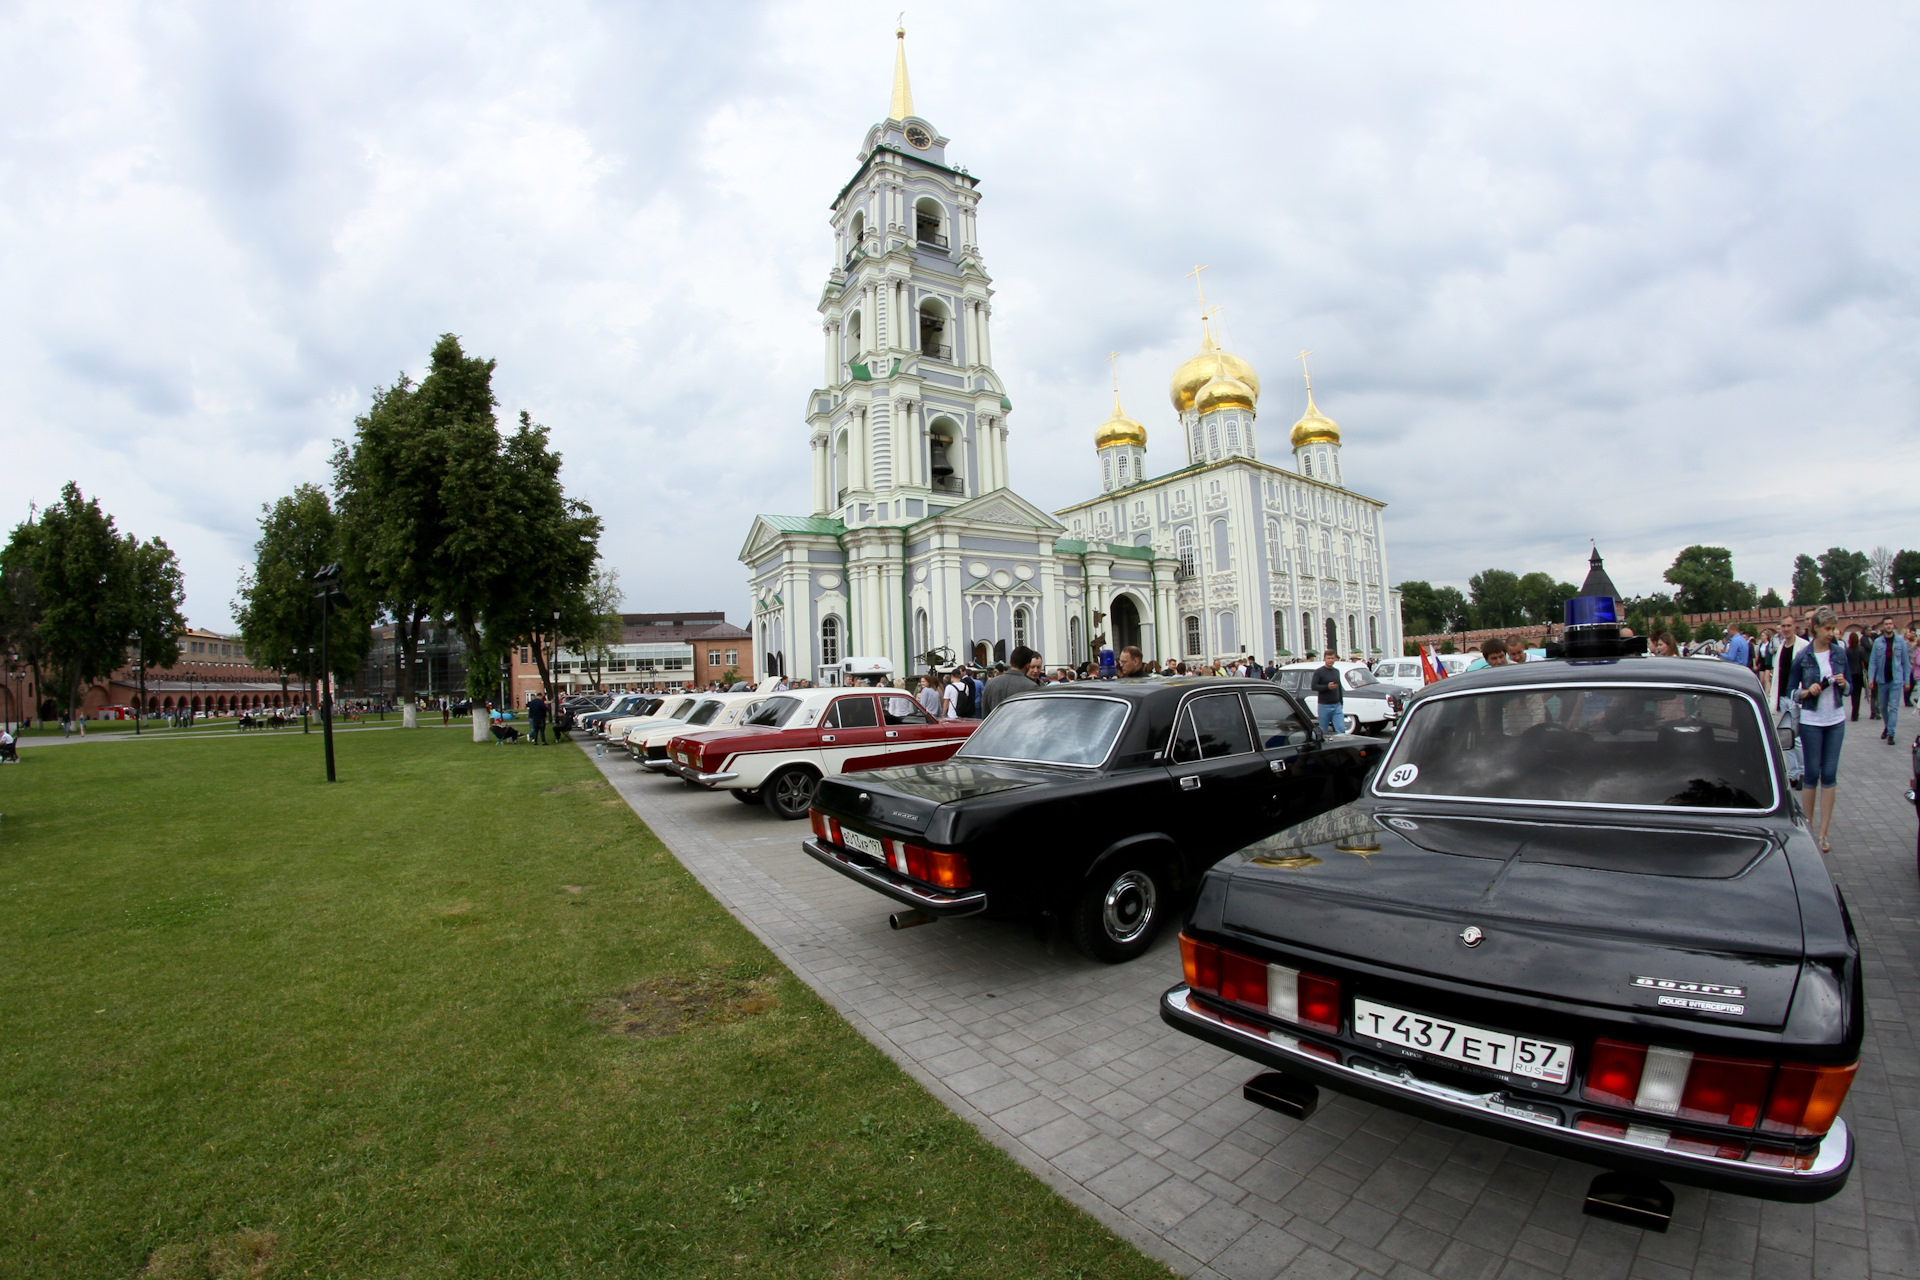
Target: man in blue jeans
{"points": [[1887, 668], [1328, 692]]}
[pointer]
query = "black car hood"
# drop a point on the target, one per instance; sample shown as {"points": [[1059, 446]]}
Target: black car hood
{"points": [[1572, 908]]}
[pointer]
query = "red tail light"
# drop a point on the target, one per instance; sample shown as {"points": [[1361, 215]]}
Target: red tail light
{"points": [[819, 821], [1793, 1098], [1806, 1098], [1307, 999]]}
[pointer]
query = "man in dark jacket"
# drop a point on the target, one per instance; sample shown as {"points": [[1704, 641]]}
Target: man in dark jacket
{"points": [[1022, 674], [537, 717], [1330, 694]]}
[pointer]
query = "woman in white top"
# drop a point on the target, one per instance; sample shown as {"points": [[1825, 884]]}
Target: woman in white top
{"points": [[1819, 683]]}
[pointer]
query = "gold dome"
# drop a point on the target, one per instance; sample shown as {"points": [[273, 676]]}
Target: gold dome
{"points": [[1315, 427], [1224, 391], [1120, 429], [1199, 370]]}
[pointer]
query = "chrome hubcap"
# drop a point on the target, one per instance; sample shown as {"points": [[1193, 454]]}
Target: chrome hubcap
{"points": [[1128, 907]]}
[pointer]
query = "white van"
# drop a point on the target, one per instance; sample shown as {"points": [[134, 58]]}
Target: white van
{"points": [[1405, 672]]}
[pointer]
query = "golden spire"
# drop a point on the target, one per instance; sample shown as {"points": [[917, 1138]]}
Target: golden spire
{"points": [[1119, 429], [902, 91]]}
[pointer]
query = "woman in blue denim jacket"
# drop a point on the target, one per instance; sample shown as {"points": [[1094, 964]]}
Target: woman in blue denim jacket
{"points": [[1818, 685]]}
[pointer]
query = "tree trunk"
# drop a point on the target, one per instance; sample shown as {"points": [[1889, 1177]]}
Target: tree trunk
{"points": [[409, 715], [480, 733]]}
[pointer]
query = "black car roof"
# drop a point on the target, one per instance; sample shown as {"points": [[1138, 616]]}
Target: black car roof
{"points": [[1143, 688], [1730, 676]]}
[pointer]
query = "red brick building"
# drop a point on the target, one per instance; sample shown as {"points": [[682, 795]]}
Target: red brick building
{"points": [[213, 677], [656, 651]]}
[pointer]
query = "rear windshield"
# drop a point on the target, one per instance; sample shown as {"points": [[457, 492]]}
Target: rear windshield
{"points": [[1076, 731], [705, 713], [775, 712], [1631, 745]]}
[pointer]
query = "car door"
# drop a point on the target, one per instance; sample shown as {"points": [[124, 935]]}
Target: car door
{"points": [[911, 736], [1285, 739], [1219, 782], [850, 735]]}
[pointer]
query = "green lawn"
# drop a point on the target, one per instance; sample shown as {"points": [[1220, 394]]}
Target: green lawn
{"points": [[460, 1014]]}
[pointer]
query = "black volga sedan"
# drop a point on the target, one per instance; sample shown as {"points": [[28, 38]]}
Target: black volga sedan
{"points": [[1100, 801], [1577, 908]]}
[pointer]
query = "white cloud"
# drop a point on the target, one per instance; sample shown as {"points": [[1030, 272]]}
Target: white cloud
{"points": [[1635, 273]]}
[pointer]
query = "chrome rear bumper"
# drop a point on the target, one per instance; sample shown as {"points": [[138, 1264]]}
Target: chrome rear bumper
{"points": [[692, 774], [1756, 1168], [935, 902]]}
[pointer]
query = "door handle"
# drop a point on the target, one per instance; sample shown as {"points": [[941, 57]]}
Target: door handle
{"points": [[826, 737], [1278, 766], [893, 733], [1189, 783]]}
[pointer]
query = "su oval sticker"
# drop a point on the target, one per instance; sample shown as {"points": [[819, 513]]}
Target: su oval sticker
{"points": [[1403, 775]]}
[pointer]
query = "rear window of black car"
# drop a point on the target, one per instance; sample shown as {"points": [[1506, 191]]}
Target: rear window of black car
{"points": [[1638, 746], [1057, 730]]}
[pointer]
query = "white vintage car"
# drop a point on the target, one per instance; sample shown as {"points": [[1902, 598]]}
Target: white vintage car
{"points": [[647, 741], [779, 753], [653, 710]]}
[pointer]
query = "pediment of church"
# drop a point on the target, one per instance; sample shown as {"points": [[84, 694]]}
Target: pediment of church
{"points": [[1003, 506]]}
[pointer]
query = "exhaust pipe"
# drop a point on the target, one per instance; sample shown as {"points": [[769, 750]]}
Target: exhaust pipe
{"points": [[1283, 1093], [909, 918], [1625, 1197]]}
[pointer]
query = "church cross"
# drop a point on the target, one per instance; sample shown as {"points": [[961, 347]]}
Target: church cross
{"points": [[1304, 372], [1194, 275], [1112, 365]]}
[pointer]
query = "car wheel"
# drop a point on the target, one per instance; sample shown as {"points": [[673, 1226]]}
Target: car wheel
{"points": [[1120, 911], [789, 793], [746, 797], [1353, 724]]}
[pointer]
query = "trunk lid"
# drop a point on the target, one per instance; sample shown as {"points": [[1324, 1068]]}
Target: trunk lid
{"points": [[1627, 915]]}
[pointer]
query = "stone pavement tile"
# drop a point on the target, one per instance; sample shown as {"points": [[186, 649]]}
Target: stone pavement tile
{"points": [[1027, 1116], [1521, 1269], [1411, 1243], [1269, 1180], [1787, 1227], [1057, 1136], [1316, 1199], [1605, 1252], [1894, 1244], [1539, 1259], [1316, 1264], [1676, 1246], [1094, 1156], [1129, 1180], [1360, 1221], [1711, 1267], [1211, 1229], [1494, 1222], [1648, 1269], [1167, 1204], [1536, 1236], [1001, 1096], [1393, 1184], [1437, 1210], [1463, 1261], [1261, 1253], [1839, 1262], [1561, 1217]]}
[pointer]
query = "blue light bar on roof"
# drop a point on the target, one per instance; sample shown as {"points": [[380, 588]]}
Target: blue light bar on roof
{"points": [[1591, 611]]}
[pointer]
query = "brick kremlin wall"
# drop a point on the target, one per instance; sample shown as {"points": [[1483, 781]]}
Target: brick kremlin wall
{"points": [[1865, 615]]}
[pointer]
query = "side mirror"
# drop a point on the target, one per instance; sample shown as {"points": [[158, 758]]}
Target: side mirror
{"points": [[1786, 737]]}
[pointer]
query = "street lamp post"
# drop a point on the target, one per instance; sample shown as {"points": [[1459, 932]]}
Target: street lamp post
{"points": [[326, 585]]}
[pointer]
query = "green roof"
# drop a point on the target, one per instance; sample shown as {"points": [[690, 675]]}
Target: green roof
{"points": [[1075, 547], [1006, 405], [827, 526]]}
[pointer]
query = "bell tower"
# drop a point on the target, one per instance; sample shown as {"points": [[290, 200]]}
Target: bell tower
{"points": [[911, 418]]}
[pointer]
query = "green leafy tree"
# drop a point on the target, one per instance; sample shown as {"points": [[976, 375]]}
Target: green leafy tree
{"points": [[1418, 612], [1704, 577], [1843, 575], [1496, 598], [1903, 575], [278, 613], [1771, 600], [159, 594], [1452, 611], [84, 582], [1807, 586], [21, 608], [1544, 599], [1711, 631], [594, 643]]}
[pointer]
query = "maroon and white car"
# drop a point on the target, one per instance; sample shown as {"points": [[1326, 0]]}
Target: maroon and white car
{"points": [[778, 754]]}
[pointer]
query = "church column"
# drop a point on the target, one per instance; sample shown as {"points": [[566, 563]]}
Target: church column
{"points": [[822, 478], [831, 330], [859, 474], [912, 446], [986, 339]]}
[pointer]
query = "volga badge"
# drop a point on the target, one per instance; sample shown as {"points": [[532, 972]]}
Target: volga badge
{"points": [[1700, 997]]}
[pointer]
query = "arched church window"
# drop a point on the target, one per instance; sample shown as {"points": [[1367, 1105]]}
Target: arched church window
{"points": [[1353, 634], [1306, 464], [1233, 434], [1183, 547], [1306, 629], [1273, 544], [1373, 633], [920, 630], [1222, 547], [1106, 472], [1022, 629], [829, 640], [928, 219], [935, 341], [1076, 649], [854, 347], [840, 468], [1326, 554], [857, 230], [1193, 636], [943, 456], [1123, 471], [1333, 634], [1279, 633], [1213, 438]]}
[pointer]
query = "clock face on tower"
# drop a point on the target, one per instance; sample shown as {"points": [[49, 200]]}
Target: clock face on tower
{"points": [[919, 137]]}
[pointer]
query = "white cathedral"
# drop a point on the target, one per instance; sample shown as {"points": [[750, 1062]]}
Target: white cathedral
{"points": [[918, 544]]}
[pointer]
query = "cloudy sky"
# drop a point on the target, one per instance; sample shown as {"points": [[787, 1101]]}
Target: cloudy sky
{"points": [[1644, 274]]}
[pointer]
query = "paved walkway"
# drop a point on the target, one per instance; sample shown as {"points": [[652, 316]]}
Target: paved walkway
{"points": [[1065, 1064]]}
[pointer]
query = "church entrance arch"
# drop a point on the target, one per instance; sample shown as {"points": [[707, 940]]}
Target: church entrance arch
{"points": [[1126, 623]]}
